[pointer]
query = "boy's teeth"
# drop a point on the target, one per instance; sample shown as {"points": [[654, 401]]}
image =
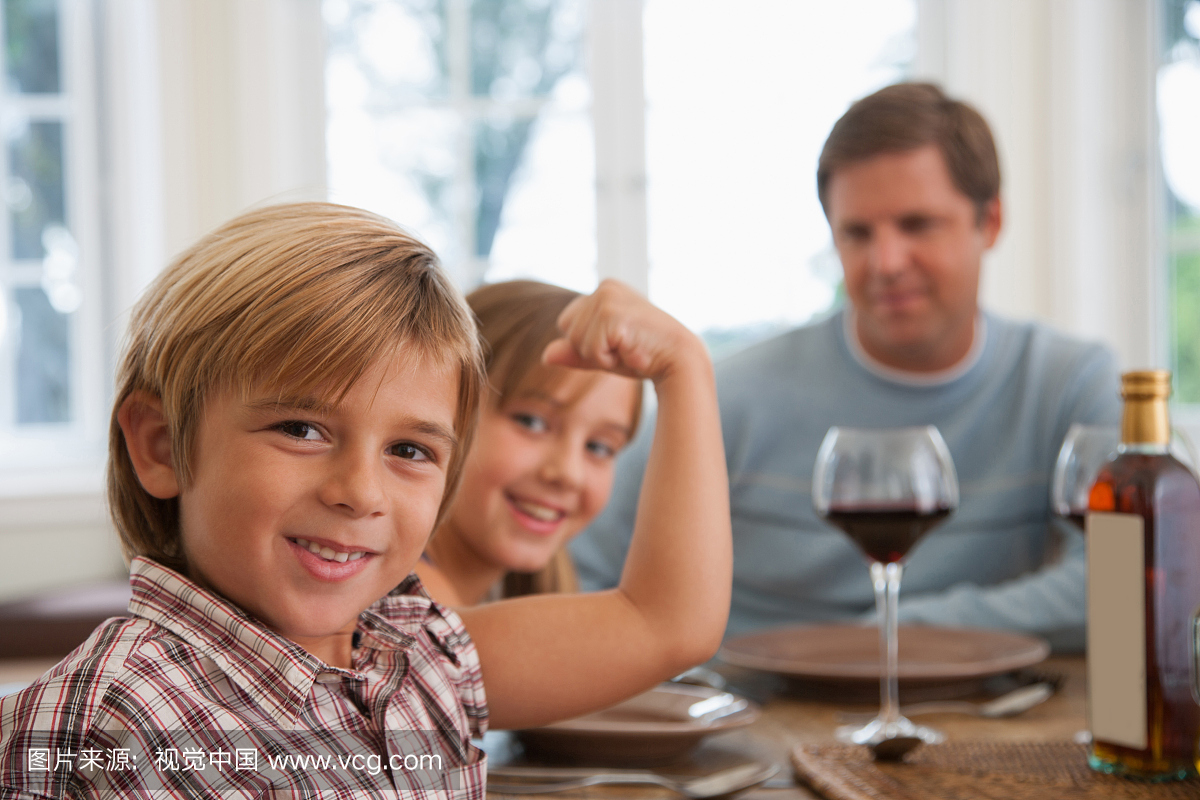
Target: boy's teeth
{"points": [[538, 511], [328, 553]]}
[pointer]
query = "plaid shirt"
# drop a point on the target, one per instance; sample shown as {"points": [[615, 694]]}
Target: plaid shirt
{"points": [[190, 697]]}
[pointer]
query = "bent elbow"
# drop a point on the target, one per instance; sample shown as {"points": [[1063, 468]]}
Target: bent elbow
{"points": [[694, 650]]}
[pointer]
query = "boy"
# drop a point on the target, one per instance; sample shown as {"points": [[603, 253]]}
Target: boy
{"points": [[291, 417]]}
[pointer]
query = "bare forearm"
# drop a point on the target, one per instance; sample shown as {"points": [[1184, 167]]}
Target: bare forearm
{"points": [[678, 572]]}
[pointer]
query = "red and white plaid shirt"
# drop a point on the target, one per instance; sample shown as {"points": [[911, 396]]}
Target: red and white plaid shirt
{"points": [[190, 697]]}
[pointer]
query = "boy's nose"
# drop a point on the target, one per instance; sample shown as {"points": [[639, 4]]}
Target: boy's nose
{"points": [[355, 486]]}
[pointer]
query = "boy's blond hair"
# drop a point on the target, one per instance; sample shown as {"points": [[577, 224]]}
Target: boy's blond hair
{"points": [[297, 299]]}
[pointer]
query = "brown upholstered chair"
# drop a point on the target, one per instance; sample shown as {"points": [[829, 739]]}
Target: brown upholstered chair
{"points": [[53, 624]]}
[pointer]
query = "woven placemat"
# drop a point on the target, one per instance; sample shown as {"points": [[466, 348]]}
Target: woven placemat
{"points": [[973, 771]]}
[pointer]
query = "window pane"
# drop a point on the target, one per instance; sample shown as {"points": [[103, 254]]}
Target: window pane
{"points": [[401, 165], [1179, 125], [740, 98], [31, 45], [35, 186], [43, 360], [501, 184], [520, 48], [387, 54], [547, 227]]}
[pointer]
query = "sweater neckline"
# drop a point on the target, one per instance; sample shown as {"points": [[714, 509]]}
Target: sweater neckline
{"points": [[906, 377]]}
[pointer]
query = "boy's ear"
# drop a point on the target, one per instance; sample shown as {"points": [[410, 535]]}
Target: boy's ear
{"points": [[148, 440]]}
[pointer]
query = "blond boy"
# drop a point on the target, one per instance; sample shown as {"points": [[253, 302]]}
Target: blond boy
{"points": [[291, 417]]}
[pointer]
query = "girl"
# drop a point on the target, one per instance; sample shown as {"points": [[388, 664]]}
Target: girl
{"points": [[542, 464]]}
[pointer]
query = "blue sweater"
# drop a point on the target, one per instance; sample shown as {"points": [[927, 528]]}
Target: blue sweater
{"points": [[1003, 419]]}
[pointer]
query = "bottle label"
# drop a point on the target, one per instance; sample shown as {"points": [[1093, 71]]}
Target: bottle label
{"points": [[1116, 641]]}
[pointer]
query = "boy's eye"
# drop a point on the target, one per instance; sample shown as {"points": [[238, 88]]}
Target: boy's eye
{"points": [[409, 452], [299, 430], [530, 422]]}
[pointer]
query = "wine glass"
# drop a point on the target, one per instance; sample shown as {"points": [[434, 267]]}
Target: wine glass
{"points": [[885, 488], [1084, 450]]}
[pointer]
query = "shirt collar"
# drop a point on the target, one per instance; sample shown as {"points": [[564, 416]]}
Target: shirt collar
{"points": [[276, 672], [907, 377]]}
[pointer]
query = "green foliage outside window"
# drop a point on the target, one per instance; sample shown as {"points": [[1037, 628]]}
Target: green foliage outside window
{"points": [[1181, 46], [1184, 269]]}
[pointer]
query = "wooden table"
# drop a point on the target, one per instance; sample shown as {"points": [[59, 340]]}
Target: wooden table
{"points": [[787, 721]]}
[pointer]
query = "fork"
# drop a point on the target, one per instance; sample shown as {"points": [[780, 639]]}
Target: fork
{"points": [[720, 783]]}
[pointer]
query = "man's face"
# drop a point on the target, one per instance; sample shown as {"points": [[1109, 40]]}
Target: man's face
{"points": [[911, 247]]}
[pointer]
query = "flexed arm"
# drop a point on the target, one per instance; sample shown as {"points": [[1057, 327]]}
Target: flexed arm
{"points": [[552, 656]]}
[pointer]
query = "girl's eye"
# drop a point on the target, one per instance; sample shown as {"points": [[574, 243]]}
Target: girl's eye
{"points": [[601, 449], [530, 422], [299, 430], [409, 452]]}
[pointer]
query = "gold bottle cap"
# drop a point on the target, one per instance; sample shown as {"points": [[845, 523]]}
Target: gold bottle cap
{"points": [[1146, 384], [1145, 419]]}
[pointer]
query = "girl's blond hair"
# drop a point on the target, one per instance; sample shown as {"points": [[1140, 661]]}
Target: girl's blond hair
{"points": [[297, 299], [517, 319]]}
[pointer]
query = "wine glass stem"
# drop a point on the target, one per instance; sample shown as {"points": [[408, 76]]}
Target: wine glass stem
{"points": [[886, 579]]}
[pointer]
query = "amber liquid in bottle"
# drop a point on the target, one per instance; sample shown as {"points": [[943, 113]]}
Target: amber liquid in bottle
{"points": [[1146, 481]]}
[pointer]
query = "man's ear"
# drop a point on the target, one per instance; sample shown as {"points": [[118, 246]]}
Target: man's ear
{"points": [[148, 440], [991, 222]]}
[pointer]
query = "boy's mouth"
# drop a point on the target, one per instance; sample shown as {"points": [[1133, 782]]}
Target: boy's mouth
{"points": [[328, 553]]}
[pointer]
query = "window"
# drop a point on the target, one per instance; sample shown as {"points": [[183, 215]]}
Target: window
{"points": [[51, 357], [740, 98], [468, 120], [1179, 126]]}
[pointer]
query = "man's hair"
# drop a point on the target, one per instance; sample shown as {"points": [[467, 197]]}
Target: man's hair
{"points": [[297, 299], [908, 116]]}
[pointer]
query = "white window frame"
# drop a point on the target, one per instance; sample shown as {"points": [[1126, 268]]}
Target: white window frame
{"points": [[65, 454], [615, 41], [188, 142]]}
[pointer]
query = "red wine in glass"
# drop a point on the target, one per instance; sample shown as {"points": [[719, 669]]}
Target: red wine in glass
{"points": [[885, 488], [886, 533]]}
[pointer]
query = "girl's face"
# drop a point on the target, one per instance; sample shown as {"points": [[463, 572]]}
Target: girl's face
{"points": [[541, 468]]}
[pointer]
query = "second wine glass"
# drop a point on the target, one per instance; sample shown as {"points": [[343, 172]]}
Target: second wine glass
{"points": [[885, 488], [1084, 450]]}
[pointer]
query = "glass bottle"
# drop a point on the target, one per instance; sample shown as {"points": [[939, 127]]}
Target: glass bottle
{"points": [[1143, 537]]}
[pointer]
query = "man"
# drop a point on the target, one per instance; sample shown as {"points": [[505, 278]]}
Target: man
{"points": [[910, 183]]}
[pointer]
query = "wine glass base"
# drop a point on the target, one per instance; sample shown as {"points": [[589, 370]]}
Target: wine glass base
{"points": [[879, 729]]}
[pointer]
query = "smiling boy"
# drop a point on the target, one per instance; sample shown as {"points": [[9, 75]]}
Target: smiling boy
{"points": [[292, 413]]}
